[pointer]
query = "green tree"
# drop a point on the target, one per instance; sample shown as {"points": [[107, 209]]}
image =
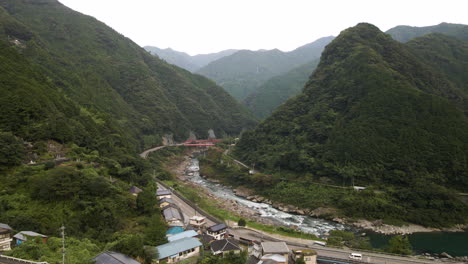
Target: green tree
{"points": [[399, 245], [146, 201], [241, 222], [11, 150]]}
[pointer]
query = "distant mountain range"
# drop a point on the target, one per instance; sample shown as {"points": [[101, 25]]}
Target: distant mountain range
{"points": [[406, 33], [183, 60], [244, 71]]}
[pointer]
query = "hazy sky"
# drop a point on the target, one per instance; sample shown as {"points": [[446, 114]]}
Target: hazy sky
{"points": [[204, 26]]}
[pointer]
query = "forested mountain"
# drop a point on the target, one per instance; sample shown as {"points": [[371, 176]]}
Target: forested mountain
{"points": [[244, 71], [78, 102], [104, 72], [277, 90], [375, 113], [406, 33], [183, 60]]}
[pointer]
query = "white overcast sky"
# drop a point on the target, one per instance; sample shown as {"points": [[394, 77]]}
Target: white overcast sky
{"points": [[204, 26]]}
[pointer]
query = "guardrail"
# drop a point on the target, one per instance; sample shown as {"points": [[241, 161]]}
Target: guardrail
{"points": [[21, 260]]}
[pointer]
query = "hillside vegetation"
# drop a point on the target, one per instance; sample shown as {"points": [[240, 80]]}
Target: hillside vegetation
{"points": [[105, 72], [78, 102], [377, 114], [244, 71], [277, 90]]}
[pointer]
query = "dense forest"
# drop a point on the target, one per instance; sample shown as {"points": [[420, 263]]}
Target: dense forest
{"points": [[375, 113], [277, 90], [104, 72]]}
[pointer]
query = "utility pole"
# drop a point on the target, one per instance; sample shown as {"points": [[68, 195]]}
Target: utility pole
{"points": [[63, 244]]}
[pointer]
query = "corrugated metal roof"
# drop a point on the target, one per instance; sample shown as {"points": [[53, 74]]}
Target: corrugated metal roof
{"points": [[189, 233], [111, 257], [23, 235], [217, 227], [175, 247]]}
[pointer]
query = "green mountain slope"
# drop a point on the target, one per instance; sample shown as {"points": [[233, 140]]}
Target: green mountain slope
{"points": [[106, 72], [406, 33], [373, 114], [183, 60], [277, 90], [244, 71], [446, 54]]}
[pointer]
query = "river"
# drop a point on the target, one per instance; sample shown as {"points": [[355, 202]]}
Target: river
{"points": [[454, 243], [305, 223]]}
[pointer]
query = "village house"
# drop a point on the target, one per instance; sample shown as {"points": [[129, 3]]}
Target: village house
{"points": [[173, 216], [217, 231], [135, 191], [179, 250], [25, 235], [165, 202], [273, 251], [309, 255], [111, 257], [224, 246], [197, 221], [160, 193], [5, 237], [273, 259], [188, 233]]}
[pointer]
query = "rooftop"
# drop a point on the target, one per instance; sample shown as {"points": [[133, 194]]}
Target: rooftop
{"points": [[224, 245], [135, 189], [5, 226], [23, 235], [175, 247], [160, 192], [217, 227], [275, 248], [168, 200], [111, 257], [189, 233], [172, 213]]}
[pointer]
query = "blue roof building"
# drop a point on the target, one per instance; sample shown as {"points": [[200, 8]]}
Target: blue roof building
{"points": [[189, 233], [179, 250]]}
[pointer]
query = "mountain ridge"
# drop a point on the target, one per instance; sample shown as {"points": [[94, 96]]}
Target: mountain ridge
{"points": [[373, 114]]}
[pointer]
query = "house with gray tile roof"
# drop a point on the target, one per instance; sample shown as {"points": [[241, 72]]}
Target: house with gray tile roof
{"points": [[223, 246], [111, 257]]}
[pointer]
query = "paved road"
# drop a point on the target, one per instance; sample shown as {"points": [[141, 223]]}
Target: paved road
{"points": [[329, 252], [145, 153], [186, 209]]}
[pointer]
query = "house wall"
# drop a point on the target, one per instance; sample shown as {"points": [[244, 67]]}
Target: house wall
{"points": [[164, 204], [163, 196], [310, 259], [5, 242], [185, 255], [217, 235]]}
